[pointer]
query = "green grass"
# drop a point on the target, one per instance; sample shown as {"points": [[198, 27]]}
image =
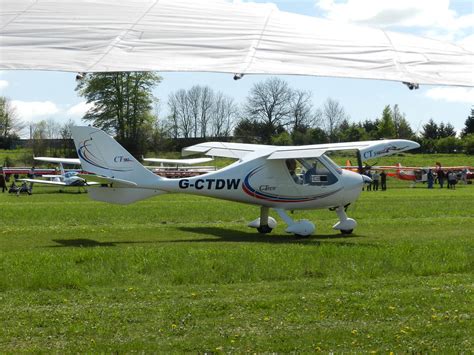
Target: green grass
{"points": [[184, 273]]}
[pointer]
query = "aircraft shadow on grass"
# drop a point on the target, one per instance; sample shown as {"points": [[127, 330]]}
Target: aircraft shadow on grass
{"points": [[223, 235], [235, 235], [88, 243]]}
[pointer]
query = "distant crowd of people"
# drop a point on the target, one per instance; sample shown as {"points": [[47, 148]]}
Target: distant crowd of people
{"points": [[451, 178], [378, 179]]}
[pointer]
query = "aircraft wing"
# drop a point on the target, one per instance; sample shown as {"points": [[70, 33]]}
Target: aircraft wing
{"points": [[59, 160], [367, 149], [224, 149], [179, 161], [44, 182], [216, 36]]}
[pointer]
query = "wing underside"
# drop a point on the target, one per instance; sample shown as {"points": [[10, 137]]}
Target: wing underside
{"points": [[216, 36], [367, 149]]}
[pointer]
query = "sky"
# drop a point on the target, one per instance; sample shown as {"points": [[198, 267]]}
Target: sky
{"points": [[43, 95]]}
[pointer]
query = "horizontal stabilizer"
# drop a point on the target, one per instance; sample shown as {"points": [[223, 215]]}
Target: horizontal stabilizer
{"points": [[107, 180]]}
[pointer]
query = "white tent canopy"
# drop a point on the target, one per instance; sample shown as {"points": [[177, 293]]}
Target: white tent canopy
{"points": [[215, 36]]}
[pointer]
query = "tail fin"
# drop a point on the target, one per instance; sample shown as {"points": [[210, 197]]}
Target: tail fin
{"points": [[100, 154], [61, 169]]}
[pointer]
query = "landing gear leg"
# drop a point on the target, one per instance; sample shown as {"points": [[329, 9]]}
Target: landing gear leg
{"points": [[265, 223], [345, 225], [302, 228]]}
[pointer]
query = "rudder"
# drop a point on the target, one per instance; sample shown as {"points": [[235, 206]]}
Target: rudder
{"points": [[100, 154]]}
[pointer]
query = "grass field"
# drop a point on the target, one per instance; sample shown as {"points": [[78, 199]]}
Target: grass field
{"points": [[184, 273]]}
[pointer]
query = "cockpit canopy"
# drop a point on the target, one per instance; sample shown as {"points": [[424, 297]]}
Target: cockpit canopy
{"points": [[70, 174], [320, 171]]}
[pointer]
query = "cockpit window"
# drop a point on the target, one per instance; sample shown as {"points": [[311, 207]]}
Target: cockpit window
{"points": [[317, 173], [312, 171], [330, 162]]}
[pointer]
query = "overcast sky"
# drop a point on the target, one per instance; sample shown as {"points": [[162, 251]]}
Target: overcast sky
{"points": [[43, 95]]}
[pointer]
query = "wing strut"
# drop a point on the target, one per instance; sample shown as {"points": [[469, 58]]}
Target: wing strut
{"points": [[359, 162]]}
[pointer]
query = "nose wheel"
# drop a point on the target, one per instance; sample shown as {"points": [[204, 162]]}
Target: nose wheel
{"points": [[346, 225]]}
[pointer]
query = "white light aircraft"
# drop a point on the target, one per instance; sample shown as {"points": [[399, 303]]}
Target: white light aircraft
{"points": [[263, 175], [65, 179]]}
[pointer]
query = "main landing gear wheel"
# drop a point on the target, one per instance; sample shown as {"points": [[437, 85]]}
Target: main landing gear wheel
{"points": [[264, 229], [264, 224], [347, 231]]}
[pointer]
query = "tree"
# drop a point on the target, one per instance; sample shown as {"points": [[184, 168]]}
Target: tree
{"points": [[430, 130], [301, 116], [122, 104], [270, 102], [66, 136], [200, 100], [10, 124], [449, 144], [333, 115], [371, 128], [181, 118], [200, 112], [40, 134], [352, 133], [386, 126], [446, 130], [223, 115], [469, 124], [402, 127], [468, 143]]}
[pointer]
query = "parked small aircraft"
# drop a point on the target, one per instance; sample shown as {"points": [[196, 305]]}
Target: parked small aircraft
{"points": [[65, 179], [174, 168], [263, 175], [419, 174], [415, 173]]}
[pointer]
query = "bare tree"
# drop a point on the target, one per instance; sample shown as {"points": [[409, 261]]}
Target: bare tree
{"points": [[270, 102], [223, 115], [301, 110], [200, 112], [65, 129], [53, 129], [181, 116], [333, 116], [201, 99]]}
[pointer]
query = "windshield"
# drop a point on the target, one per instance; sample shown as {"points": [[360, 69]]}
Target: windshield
{"points": [[311, 171]]}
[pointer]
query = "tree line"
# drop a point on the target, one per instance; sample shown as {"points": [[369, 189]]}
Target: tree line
{"points": [[273, 113]]}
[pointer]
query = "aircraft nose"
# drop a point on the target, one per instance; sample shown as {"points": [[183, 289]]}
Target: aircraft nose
{"points": [[355, 180], [353, 183]]}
